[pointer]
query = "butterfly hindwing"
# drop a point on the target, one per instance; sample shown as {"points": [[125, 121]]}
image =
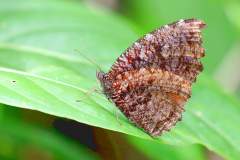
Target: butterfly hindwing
{"points": [[152, 99]]}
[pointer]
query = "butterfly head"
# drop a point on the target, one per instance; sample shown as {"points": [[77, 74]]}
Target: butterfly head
{"points": [[105, 82]]}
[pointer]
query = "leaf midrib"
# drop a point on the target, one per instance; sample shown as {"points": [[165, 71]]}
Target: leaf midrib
{"points": [[53, 81]]}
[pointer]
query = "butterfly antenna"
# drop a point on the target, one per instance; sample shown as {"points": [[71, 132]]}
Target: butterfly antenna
{"points": [[88, 59]]}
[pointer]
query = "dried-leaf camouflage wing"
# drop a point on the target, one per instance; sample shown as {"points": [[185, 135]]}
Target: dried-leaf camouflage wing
{"points": [[151, 81]]}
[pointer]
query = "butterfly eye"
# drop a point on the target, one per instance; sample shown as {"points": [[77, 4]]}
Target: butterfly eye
{"points": [[100, 75]]}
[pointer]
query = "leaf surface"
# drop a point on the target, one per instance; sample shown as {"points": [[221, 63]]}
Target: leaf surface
{"points": [[40, 71]]}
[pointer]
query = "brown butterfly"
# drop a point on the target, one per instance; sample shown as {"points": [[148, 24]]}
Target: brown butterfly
{"points": [[151, 81]]}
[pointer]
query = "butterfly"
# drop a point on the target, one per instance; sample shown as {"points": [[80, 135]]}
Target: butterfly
{"points": [[151, 81]]}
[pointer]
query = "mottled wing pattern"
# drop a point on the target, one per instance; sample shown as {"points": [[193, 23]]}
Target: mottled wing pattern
{"points": [[151, 81]]}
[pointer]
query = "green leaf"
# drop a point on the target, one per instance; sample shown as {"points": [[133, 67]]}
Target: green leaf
{"points": [[219, 35], [210, 119], [40, 71], [20, 139], [157, 151], [233, 13], [68, 26]]}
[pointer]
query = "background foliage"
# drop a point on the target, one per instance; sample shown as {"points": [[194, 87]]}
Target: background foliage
{"points": [[40, 70]]}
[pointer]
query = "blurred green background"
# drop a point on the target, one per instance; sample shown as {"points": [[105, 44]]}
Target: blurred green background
{"points": [[41, 70]]}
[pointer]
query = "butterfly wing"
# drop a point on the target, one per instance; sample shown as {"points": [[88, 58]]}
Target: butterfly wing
{"points": [[151, 98], [151, 81], [175, 47]]}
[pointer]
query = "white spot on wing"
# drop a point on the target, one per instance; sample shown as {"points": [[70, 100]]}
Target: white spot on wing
{"points": [[149, 37], [137, 45], [180, 22], [142, 54], [166, 26]]}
